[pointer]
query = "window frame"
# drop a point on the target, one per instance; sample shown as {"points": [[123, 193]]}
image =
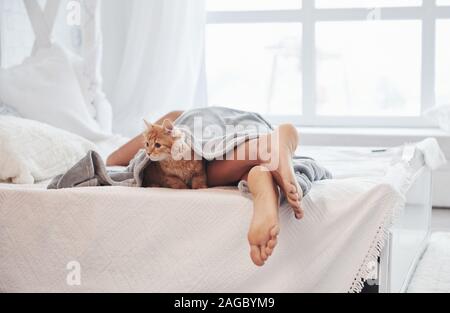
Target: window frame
{"points": [[428, 13]]}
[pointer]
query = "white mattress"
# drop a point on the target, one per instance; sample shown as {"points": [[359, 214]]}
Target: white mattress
{"points": [[141, 240], [347, 162], [343, 162]]}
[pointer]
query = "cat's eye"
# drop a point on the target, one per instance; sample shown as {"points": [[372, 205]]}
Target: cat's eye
{"points": [[147, 145], [157, 145]]}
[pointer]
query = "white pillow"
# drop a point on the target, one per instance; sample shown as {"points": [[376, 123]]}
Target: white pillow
{"points": [[98, 105], [31, 151], [45, 88]]}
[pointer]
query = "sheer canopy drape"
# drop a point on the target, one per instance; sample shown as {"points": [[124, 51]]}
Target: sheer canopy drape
{"points": [[162, 68]]}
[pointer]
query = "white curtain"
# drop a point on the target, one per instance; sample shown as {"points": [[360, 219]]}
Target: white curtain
{"points": [[162, 68]]}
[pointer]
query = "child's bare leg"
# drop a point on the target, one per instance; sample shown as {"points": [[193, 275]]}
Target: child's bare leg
{"points": [[264, 228], [275, 151]]}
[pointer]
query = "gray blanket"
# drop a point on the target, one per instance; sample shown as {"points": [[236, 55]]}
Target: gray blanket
{"points": [[91, 171], [213, 132], [221, 131]]}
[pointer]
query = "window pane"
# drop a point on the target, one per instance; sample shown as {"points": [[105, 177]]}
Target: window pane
{"points": [[366, 3], [369, 68], [255, 67], [443, 2], [243, 5], [443, 63]]}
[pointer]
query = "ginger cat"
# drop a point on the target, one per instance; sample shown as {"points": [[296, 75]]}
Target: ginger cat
{"points": [[174, 165]]}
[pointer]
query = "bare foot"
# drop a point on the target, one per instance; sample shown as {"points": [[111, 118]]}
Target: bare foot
{"points": [[264, 229], [284, 143]]}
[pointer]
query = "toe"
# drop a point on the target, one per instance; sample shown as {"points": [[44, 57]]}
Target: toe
{"points": [[256, 256], [272, 244], [291, 188], [293, 197], [295, 205], [264, 254], [275, 232], [300, 213]]}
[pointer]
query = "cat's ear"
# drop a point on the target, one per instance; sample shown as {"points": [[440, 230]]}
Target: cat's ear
{"points": [[148, 124], [168, 126]]}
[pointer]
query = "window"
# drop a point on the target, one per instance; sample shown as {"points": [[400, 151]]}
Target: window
{"points": [[330, 62], [256, 5], [443, 63], [257, 70], [370, 4]]}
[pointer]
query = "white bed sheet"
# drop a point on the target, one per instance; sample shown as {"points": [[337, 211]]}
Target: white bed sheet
{"points": [[351, 162], [140, 240], [343, 162]]}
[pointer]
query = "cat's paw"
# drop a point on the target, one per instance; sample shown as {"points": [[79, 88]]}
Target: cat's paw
{"points": [[175, 183], [199, 182]]}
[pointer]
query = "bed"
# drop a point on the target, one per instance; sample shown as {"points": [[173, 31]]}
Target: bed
{"points": [[369, 225], [156, 240]]}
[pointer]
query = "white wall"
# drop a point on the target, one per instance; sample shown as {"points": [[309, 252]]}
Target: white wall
{"points": [[115, 19]]}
